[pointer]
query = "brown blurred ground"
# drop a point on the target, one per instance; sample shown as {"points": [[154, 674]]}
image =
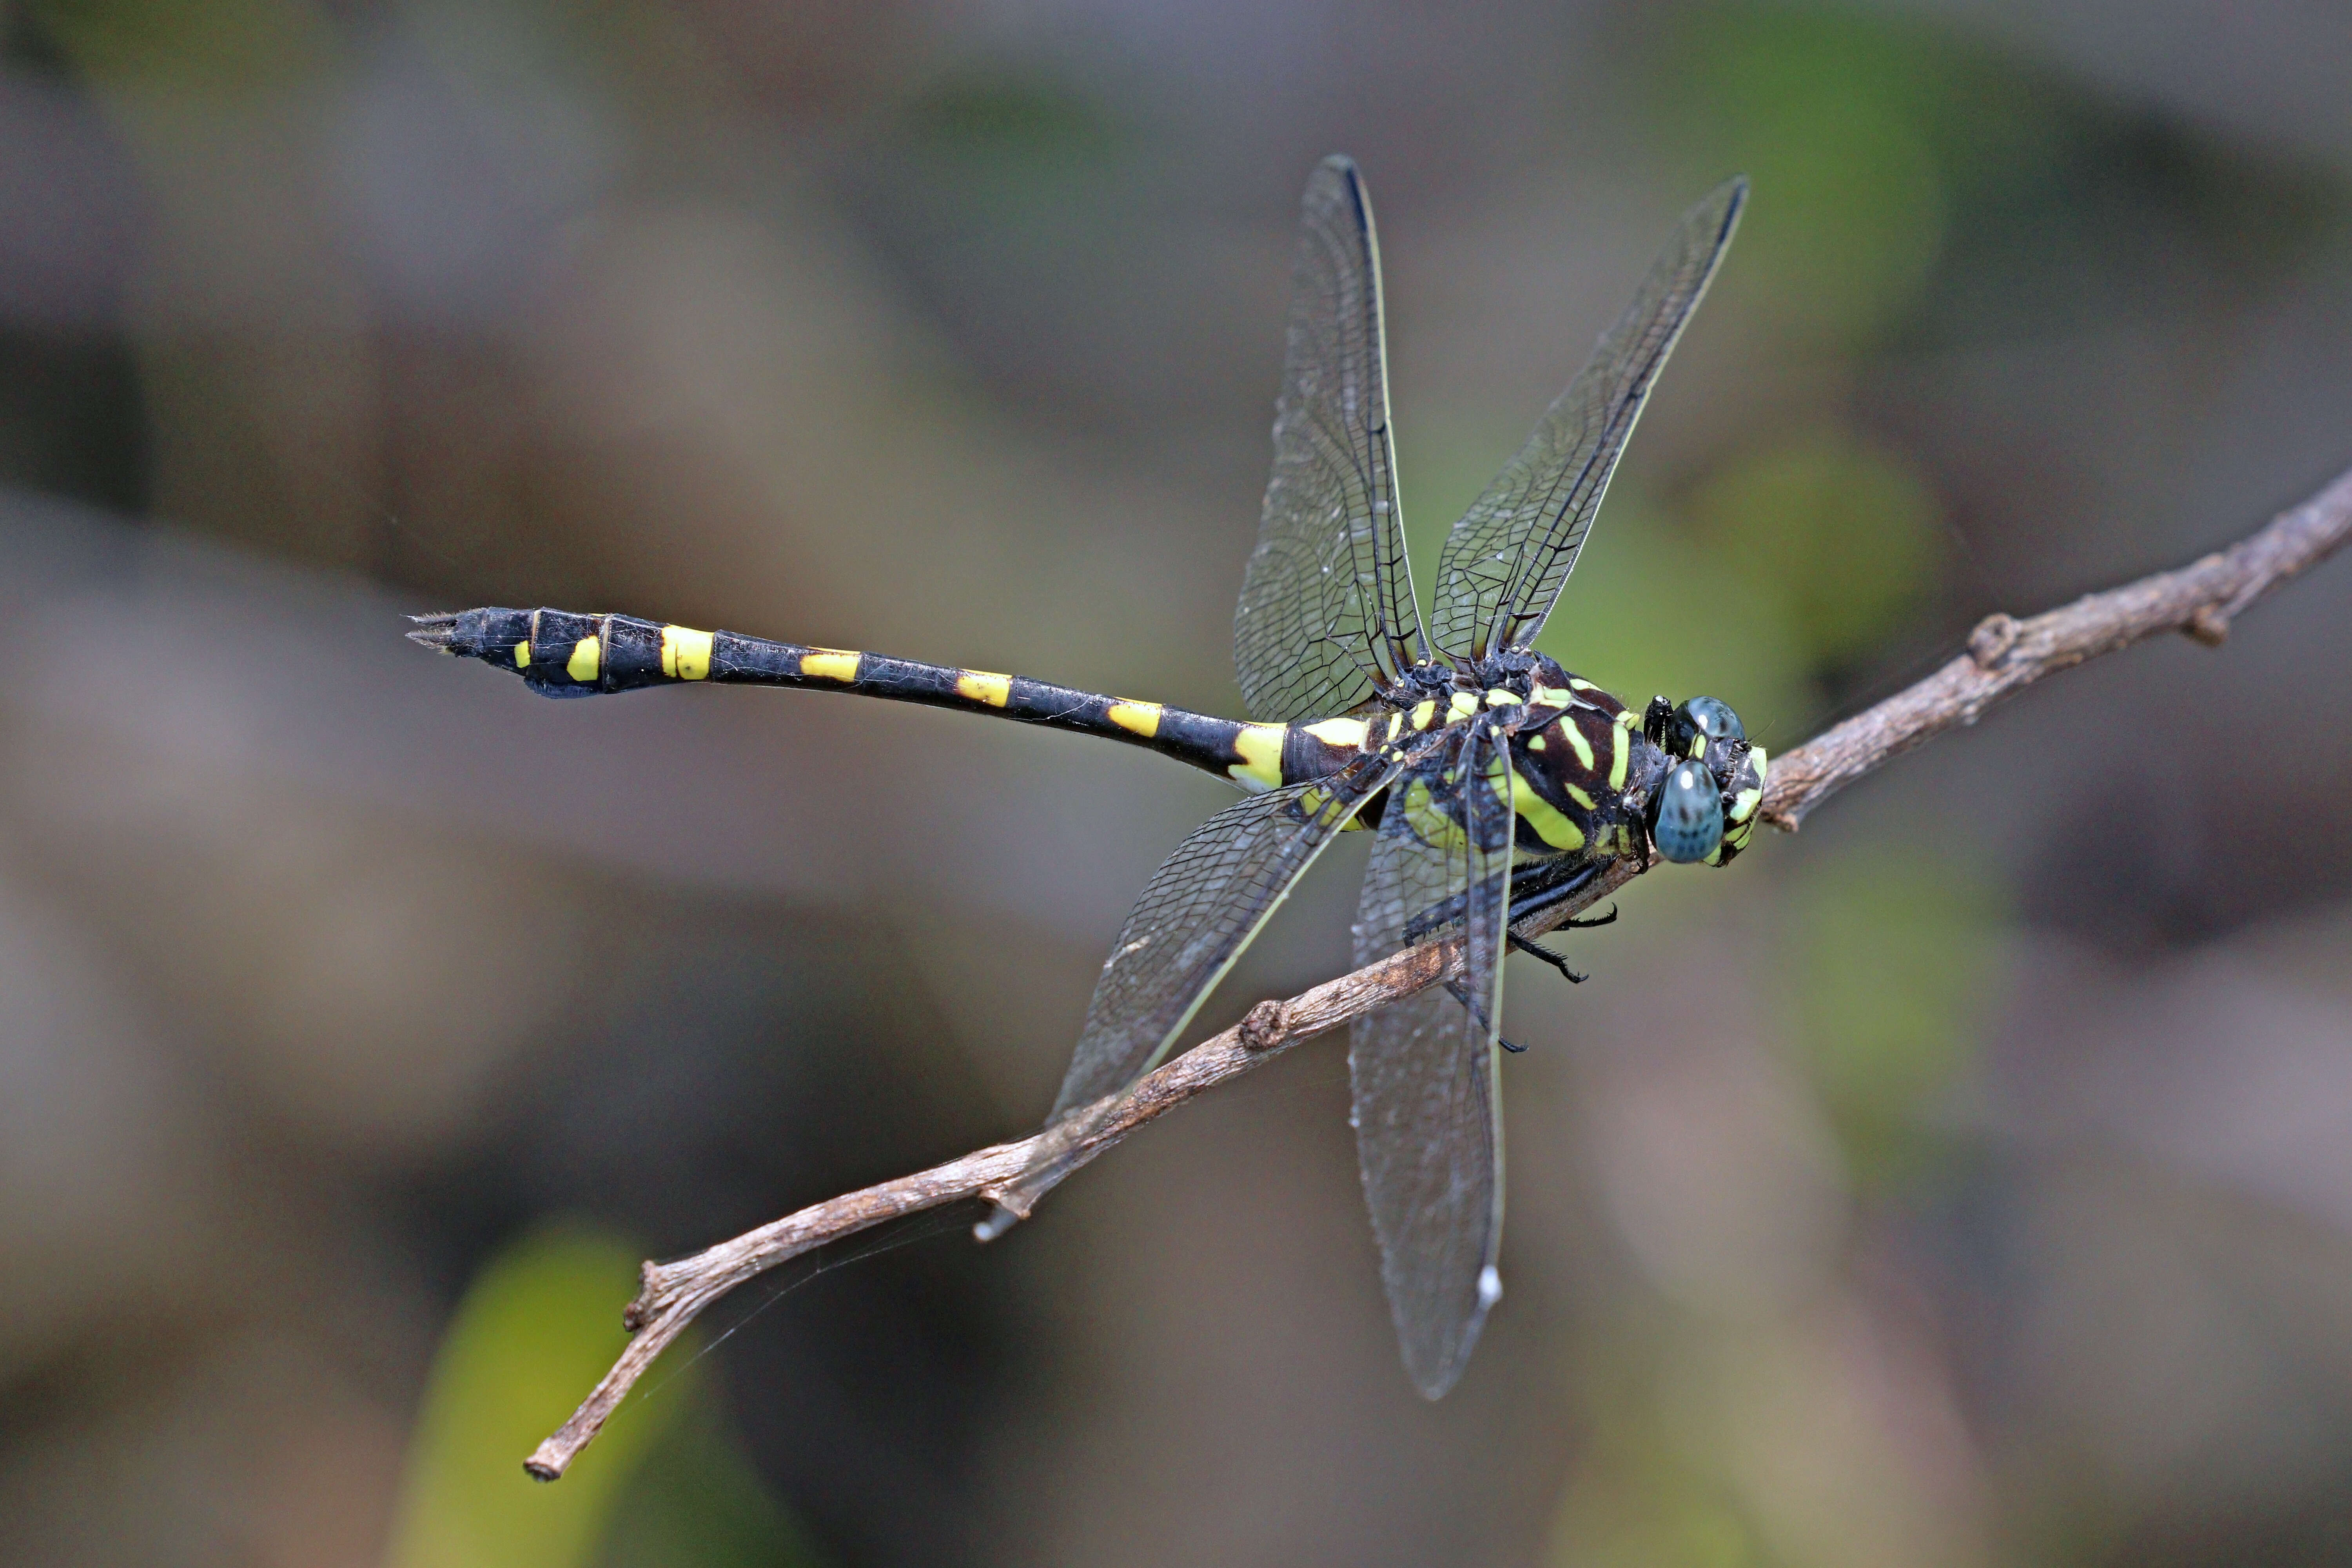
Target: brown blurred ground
{"points": [[1962, 1184]]}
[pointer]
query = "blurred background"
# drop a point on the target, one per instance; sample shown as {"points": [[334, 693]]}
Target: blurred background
{"points": [[1967, 1182]]}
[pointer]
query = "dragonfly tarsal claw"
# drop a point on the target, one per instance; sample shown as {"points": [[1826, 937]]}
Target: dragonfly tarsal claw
{"points": [[1558, 961]]}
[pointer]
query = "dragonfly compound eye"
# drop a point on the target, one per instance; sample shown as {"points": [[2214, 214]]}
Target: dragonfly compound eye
{"points": [[1686, 817], [1713, 717]]}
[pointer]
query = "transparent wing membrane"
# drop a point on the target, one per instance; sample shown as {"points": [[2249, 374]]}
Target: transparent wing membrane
{"points": [[1327, 613], [1428, 1118], [1507, 558], [1201, 910]]}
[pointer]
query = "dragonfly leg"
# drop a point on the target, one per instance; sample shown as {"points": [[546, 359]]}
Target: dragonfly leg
{"points": [[1557, 960], [1541, 887], [1546, 887], [1478, 1013]]}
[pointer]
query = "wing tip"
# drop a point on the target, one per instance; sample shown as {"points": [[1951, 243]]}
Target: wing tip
{"points": [[1731, 196], [1435, 1379]]}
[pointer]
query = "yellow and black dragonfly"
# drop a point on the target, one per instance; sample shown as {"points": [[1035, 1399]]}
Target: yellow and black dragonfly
{"points": [[1495, 784]]}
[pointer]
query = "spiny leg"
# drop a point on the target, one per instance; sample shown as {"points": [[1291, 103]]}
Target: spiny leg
{"points": [[1544, 888], [1460, 994], [1559, 961]]}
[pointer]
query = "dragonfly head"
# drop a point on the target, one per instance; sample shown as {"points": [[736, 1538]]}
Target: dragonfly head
{"points": [[1703, 807]]}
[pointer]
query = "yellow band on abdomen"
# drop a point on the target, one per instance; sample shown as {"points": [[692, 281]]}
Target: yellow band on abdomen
{"points": [[979, 686], [830, 664], [1259, 746], [686, 652], [1136, 718]]}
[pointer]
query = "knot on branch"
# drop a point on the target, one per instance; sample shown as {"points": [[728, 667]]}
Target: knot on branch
{"points": [[639, 1312], [1020, 1206], [1266, 1026], [1990, 642], [2208, 624]]}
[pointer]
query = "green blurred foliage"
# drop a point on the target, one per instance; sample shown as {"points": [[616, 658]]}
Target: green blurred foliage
{"points": [[1663, 1514], [697, 1503], [1831, 114], [661, 1486], [1909, 179], [1844, 535], [1897, 950], [536, 1330], [219, 51], [1011, 151], [1002, 115]]}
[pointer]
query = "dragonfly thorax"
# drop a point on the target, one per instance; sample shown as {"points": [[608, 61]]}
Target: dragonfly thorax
{"points": [[1587, 776]]}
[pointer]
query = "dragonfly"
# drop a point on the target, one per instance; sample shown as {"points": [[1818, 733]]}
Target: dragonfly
{"points": [[1495, 784]]}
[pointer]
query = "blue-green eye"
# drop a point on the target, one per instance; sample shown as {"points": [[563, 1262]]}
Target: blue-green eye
{"points": [[1713, 717], [1687, 822]]}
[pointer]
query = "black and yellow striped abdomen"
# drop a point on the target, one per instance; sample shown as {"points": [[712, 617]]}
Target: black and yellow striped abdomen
{"points": [[561, 654]]}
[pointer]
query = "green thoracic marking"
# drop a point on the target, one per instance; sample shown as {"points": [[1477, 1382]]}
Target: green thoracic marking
{"points": [[1552, 825], [1432, 825], [1578, 743], [1620, 746]]}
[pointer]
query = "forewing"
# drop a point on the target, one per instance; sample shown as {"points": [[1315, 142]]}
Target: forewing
{"points": [[1327, 613], [1506, 560], [1427, 1109]]}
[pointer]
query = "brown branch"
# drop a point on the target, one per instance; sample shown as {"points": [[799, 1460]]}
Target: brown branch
{"points": [[2003, 656], [2006, 656]]}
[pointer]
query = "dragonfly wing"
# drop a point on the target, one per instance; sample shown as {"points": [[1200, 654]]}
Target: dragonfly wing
{"points": [[1428, 1114], [1327, 614], [1200, 911], [1506, 560]]}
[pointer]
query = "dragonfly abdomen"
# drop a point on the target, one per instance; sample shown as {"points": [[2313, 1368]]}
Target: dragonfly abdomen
{"points": [[560, 653]]}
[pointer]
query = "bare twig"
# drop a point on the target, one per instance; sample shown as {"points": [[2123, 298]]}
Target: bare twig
{"points": [[2003, 656]]}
